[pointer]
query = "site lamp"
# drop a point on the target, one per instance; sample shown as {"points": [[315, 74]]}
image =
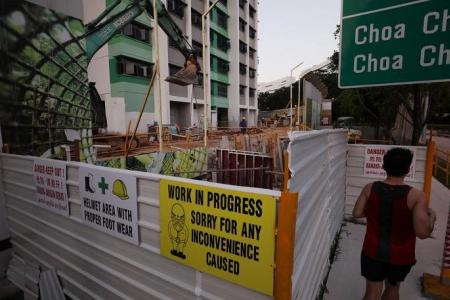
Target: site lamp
{"points": [[290, 90]]}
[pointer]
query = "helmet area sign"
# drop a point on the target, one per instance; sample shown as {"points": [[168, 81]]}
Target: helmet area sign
{"points": [[392, 42], [109, 202]]}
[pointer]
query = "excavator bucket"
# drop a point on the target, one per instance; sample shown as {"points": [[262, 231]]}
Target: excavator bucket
{"points": [[186, 76]]}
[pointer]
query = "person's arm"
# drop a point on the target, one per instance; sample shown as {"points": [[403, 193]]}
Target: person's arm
{"points": [[423, 217], [359, 211]]}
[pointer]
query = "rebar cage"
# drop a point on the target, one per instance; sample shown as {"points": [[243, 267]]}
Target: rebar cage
{"points": [[43, 78]]}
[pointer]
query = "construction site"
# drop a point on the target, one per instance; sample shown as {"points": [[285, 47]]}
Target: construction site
{"points": [[55, 99]]}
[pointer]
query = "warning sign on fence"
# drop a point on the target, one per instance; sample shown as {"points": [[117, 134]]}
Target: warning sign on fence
{"points": [[50, 183], [373, 161], [109, 202], [224, 232]]}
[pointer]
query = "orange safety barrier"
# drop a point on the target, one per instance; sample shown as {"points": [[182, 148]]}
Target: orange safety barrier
{"points": [[285, 245]]}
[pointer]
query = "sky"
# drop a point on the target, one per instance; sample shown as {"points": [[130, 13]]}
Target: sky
{"points": [[292, 31]]}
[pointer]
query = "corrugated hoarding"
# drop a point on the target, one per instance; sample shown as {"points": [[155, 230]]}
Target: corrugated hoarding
{"points": [[92, 264], [317, 161]]}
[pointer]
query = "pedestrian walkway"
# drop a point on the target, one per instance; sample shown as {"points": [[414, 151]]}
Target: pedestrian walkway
{"points": [[345, 280]]}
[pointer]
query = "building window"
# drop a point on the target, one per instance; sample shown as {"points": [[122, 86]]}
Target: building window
{"points": [[196, 18], [221, 42], [222, 19], [224, 2], [199, 80], [198, 47], [137, 31], [242, 24], [242, 47], [242, 90], [222, 90], [242, 3], [251, 93], [252, 11], [242, 69], [252, 33], [172, 43], [128, 66], [251, 72], [222, 66], [251, 52], [176, 7]]}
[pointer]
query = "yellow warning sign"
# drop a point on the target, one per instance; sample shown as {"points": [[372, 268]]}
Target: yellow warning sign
{"points": [[223, 232]]}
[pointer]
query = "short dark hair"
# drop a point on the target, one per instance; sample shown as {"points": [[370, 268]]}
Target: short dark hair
{"points": [[397, 161]]}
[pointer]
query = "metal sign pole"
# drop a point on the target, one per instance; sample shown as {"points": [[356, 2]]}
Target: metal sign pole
{"points": [[298, 101], [290, 91]]}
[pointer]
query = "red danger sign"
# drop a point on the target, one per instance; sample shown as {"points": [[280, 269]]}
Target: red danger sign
{"points": [[373, 161]]}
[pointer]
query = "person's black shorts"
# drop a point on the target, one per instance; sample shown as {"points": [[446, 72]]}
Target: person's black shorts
{"points": [[374, 270]]}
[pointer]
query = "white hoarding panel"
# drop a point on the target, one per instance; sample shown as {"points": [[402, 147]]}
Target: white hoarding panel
{"points": [[317, 164], [93, 264], [373, 161], [50, 184], [109, 202]]}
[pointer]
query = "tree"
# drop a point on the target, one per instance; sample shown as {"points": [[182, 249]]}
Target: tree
{"points": [[279, 99]]}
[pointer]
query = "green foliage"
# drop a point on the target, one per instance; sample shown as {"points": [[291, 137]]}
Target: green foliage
{"points": [[278, 99], [440, 101]]}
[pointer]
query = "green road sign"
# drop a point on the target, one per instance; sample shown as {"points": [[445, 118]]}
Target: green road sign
{"points": [[389, 42]]}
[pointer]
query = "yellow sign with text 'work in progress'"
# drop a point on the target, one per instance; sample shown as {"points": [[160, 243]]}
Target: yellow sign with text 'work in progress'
{"points": [[223, 232]]}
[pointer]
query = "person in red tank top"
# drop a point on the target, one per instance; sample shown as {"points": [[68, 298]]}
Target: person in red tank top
{"points": [[396, 214]]}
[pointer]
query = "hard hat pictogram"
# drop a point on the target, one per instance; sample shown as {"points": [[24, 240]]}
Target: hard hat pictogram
{"points": [[120, 189]]}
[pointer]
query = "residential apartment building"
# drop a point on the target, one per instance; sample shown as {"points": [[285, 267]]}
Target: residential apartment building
{"points": [[122, 69]]}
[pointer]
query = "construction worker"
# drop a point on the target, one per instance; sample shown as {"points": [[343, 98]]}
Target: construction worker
{"points": [[396, 214], [243, 125]]}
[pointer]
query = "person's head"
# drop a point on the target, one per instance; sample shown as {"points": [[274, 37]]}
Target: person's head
{"points": [[396, 162], [243, 118], [177, 216]]}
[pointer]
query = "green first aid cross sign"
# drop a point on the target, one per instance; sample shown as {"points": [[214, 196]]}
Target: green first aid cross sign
{"points": [[390, 42]]}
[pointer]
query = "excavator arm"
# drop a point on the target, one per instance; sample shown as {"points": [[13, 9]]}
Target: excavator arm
{"points": [[99, 32]]}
